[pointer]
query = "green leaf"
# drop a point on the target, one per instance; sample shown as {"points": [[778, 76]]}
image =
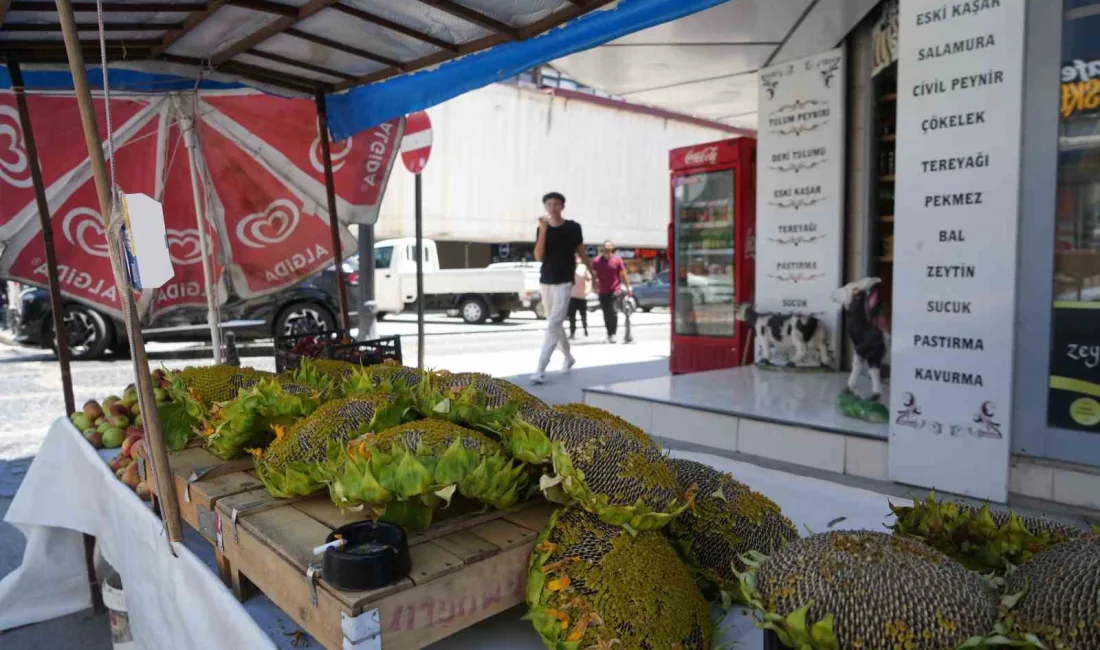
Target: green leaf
{"points": [[795, 624], [1009, 600], [176, 424], [455, 463], [411, 478], [823, 635]]}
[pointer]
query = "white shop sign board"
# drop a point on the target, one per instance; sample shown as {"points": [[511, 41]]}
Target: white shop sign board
{"points": [[800, 189], [960, 95]]}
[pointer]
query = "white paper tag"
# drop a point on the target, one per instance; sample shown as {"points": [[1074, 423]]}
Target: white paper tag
{"points": [[146, 242]]}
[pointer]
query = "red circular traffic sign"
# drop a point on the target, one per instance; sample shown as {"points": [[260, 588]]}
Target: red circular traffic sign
{"points": [[416, 145]]}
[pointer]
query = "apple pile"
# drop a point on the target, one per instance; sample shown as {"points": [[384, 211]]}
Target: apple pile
{"points": [[115, 423]]}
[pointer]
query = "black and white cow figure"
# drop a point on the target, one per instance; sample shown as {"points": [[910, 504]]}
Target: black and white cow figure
{"points": [[803, 332], [871, 343]]}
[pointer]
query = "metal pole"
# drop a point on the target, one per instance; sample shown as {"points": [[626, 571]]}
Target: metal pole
{"points": [[419, 275], [60, 335], [166, 484], [367, 304], [333, 224], [187, 125]]}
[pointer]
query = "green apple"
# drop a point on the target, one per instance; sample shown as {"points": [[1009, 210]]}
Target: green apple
{"points": [[113, 437]]}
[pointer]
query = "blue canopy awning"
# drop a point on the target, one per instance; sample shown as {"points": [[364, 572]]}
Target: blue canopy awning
{"points": [[363, 107]]}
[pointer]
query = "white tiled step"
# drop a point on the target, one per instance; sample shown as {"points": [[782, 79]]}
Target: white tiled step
{"points": [[853, 455], [832, 452]]}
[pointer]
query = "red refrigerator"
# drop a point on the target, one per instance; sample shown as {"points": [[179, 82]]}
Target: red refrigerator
{"points": [[711, 252]]}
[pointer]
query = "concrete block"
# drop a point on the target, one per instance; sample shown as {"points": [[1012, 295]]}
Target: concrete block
{"points": [[1077, 488], [697, 427], [866, 458], [635, 411], [1031, 480], [792, 444]]}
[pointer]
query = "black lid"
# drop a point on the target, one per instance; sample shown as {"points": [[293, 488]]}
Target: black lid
{"points": [[375, 555]]}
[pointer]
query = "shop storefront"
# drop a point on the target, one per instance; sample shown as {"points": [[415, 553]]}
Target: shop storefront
{"points": [[641, 263], [953, 151]]}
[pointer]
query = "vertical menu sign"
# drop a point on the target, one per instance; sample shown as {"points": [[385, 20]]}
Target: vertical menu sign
{"points": [[800, 189], [960, 92]]}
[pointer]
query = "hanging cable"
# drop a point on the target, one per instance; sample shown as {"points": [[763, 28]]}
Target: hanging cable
{"points": [[106, 96]]}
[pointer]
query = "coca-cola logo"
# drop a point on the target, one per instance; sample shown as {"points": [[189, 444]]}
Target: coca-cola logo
{"points": [[15, 166], [184, 247], [704, 156], [338, 155], [272, 226], [83, 227]]}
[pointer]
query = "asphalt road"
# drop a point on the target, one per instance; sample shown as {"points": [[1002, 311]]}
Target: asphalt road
{"points": [[30, 384]]}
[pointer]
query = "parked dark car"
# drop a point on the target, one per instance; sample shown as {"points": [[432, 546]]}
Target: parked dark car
{"points": [[652, 293], [309, 306]]}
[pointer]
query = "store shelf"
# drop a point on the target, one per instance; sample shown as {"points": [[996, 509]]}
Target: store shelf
{"points": [[706, 225], [887, 259], [889, 138], [887, 218], [703, 252], [887, 179]]}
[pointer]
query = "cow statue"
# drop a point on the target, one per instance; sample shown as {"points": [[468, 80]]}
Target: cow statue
{"points": [[871, 343], [803, 332]]}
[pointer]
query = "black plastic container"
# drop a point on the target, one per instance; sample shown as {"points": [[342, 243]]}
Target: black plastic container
{"points": [[369, 353], [335, 344], [349, 570], [288, 357]]}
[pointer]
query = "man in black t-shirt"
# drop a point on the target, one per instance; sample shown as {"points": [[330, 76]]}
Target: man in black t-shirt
{"points": [[557, 242]]}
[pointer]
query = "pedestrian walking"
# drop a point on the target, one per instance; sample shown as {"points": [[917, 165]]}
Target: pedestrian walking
{"points": [[558, 244], [578, 303], [612, 280]]}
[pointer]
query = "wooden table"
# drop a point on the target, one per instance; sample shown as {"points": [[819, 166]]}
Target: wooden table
{"points": [[467, 567]]}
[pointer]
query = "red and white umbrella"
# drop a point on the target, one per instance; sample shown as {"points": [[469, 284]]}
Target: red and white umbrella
{"points": [[261, 187]]}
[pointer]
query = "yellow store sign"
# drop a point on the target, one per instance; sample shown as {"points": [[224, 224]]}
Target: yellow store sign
{"points": [[1080, 88]]}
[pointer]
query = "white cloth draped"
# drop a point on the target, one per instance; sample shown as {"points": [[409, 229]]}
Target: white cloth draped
{"points": [[173, 601]]}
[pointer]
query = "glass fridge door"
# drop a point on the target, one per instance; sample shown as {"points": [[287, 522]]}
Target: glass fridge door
{"points": [[704, 255]]}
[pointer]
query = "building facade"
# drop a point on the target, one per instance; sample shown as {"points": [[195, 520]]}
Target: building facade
{"points": [[1001, 223]]}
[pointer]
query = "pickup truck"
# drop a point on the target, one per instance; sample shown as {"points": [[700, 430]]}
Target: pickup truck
{"points": [[532, 297], [476, 295]]}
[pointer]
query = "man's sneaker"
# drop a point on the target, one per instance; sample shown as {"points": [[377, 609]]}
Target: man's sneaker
{"points": [[538, 378], [610, 339], [568, 365]]}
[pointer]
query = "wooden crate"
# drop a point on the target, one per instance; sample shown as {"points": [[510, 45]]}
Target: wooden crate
{"points": [[467, 567]]}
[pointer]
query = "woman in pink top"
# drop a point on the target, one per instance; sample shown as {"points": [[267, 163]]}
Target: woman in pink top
{"points": [[578, 302]]}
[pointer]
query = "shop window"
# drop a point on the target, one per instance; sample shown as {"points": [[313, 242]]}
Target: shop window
{"points": [[1075, 350], [883, 135], [382, 257]]}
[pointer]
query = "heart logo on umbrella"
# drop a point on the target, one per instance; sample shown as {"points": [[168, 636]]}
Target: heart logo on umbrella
{"points": [[272, 226], [13, 158], [184, 247], [337, 156], [84, 228]]}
